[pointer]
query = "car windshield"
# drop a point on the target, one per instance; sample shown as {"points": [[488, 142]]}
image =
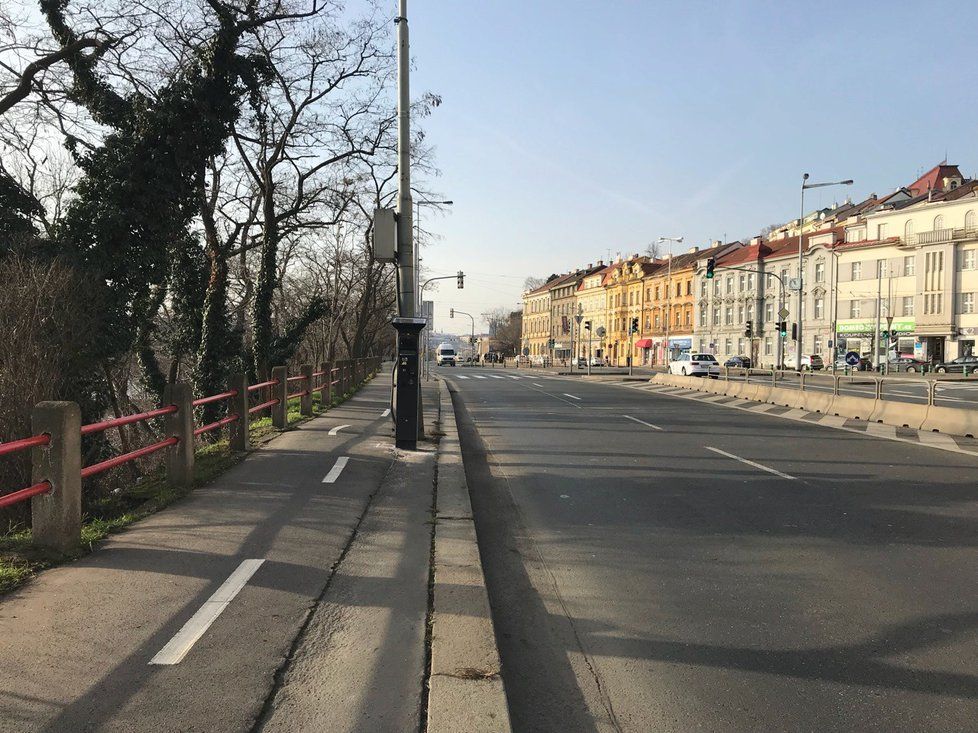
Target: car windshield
{"points": [[447, 352], [704, 357]]}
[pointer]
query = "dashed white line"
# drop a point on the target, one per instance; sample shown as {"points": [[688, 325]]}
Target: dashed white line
{"points": [[478, 376], [537, 384], [751, 463], [646, 424], [337, 429], [336, 470], [182, 642], [462, 376], [386, 413], [496, 376], [570, 395]]}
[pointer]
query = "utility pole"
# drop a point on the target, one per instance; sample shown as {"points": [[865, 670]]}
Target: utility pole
{"points": [[406, 402]]}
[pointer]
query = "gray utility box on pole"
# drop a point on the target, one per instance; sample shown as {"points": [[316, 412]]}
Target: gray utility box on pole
{"points": [[385, 235]]}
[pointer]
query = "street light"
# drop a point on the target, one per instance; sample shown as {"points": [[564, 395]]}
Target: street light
{"points": [[678, 240], [427, 326], [805, 185], [472, 337]]}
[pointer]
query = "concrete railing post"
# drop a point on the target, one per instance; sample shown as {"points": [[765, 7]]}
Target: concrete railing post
{"points": [[238, 405], [931, 392], [801, 381], [835, 385], [280, 391], [326, 393], [879, 389], [305, 402], [179, 425], [56, 515]]}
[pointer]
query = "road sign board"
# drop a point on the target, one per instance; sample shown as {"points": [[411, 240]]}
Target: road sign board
{"points": [[794, 283], [852, 358], [579, 318], [601, 331], [783, 313]]}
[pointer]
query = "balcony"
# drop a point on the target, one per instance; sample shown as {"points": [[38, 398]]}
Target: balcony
{"points": [[940, 236]]}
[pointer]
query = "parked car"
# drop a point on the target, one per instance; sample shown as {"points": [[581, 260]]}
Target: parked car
{"points": [[688, 364], [906, 364], [581, 361], [739, 362], [811, 363], [958, 366]]}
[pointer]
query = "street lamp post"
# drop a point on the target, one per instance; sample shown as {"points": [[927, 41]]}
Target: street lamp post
{"points": [[678, 240], [472, 337], [805, 185]]}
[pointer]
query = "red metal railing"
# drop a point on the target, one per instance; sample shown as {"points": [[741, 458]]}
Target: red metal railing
{"points": [[262, 406], [98, 427], [215, 425], [262, 385], [97, 468], [23, 444], [214, 398]]}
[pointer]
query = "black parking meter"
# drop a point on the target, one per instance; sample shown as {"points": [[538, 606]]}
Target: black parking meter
{"points": [[407, 384]]}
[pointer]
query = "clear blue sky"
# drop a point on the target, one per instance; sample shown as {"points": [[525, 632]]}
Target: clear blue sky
{"points": [[573, 128]]}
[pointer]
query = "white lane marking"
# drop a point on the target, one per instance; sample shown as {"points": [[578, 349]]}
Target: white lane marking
{"points": [[495, 376], [478, 376], [512, 377], [570, 395], [462, 376], [182, 642], [386, 412], [336, 470], [337, 429], [879, 430], [537, 384], [750, 463], [938, 440], [646, 424]]}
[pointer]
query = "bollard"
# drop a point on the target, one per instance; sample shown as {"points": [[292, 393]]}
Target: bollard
{"points": [[801, 382], [179, 425], [56, 515], [835, 385], [240, 439], [879, 389], [305, 402], [931, 392], [280, 410], [326, 393]]}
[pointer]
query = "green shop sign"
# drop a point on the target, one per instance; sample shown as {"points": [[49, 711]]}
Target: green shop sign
{"points": [[905, 325]]}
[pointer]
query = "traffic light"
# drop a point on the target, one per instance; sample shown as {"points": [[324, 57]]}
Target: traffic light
{"points": [[783, 328], [587, 325], [461, 279], [794, 331], [710, 266], [749, 329], [893, 335], [635, 325], [451, 313]]}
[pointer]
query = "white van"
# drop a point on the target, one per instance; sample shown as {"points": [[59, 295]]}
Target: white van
{"points": [[445, 355]]}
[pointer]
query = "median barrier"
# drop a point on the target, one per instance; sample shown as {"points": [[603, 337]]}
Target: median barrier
{"points": [[899, 414], [952, 420]]}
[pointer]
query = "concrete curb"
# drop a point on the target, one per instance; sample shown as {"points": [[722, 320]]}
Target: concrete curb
{"points": [[466, 692]]}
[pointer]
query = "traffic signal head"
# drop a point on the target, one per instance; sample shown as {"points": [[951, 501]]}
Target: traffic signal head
{"points": [[749, 328], [451, 313], [794, 331], [635, 325], [587, 325], [461, 279], [783, 328], [710, 266]]}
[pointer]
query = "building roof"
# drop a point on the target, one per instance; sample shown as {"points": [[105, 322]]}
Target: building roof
{"points": [[933, 180]]}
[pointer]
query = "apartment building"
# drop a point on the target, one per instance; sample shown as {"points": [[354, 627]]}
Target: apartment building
{"points": [[592, 306], [624, 298], [537, 321], [667, 321]]}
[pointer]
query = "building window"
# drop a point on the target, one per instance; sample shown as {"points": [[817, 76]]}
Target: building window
{"points": [[728, 347], [679, 289], [968, 259], [716, 286], [729, 315], [938, 222], [854, 308], [716, 315], [784, 277], [689, 287], [857, 271], [768, 346], [750, 280], [742, 283], [881, 231], [740, 347], [967, 302], [820, 272], [908, 305], [740, 314], [703, 314], [768, 312], [703, 287], [689, 316], [816, 345], [880, 268], [729, 284], [970, 221], [908, 230], [819, 309], [909, 265]]}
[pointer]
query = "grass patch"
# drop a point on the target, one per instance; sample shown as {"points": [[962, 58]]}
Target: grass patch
{"points": [[20, 560]]}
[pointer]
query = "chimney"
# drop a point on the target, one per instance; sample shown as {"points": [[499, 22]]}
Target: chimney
{"points": [[756, 241], [716, 243], [692, 250]]}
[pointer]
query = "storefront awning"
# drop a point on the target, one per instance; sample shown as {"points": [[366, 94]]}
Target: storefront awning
{"points": [[644, 343]]}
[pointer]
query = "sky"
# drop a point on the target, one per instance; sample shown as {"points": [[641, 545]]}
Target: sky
{"points": [[572, 129]]}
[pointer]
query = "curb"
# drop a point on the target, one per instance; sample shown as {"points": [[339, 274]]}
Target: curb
{"points": [[466, 692]]}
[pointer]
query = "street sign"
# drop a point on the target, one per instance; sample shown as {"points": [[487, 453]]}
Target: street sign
{"points": [[852, 358], [783, 313], [601, 331], [794, 284], [579, 317]]}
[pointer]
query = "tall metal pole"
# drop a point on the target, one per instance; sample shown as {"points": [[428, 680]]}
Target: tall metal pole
{"points": [[405, 240], [801, 297]]}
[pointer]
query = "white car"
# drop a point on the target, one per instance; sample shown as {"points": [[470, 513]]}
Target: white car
{"points": [[691, 365]]}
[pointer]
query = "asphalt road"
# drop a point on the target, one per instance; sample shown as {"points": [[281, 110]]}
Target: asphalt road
{"points": [[660, 564]]}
